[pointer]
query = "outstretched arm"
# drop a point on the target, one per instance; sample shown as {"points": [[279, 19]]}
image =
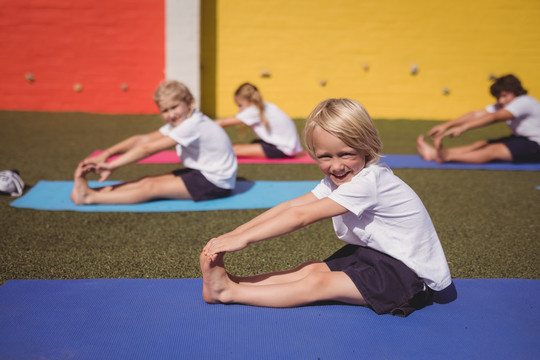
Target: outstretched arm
{"points": [[280, 220], [479, 119], [224, 122], [439, 129], [156, 142], [278, 209], [124, 146]]}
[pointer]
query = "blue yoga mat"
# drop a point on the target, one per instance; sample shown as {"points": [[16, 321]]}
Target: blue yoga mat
{"points": [[397, 161], [168, 319], [55, 195]]}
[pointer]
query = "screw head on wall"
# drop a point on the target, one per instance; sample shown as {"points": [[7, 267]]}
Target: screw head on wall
{"points": [[29, 77]]}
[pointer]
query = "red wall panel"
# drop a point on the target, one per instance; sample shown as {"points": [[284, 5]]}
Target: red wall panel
{"points": [[100, 45]]}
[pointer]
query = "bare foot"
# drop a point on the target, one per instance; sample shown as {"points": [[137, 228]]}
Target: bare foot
{"points": [[428, 152], [215, 279], [81, 190]]}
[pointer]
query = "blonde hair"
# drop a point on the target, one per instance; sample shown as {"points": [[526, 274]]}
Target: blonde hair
{"points": [[250, 93], [348, 121], [175, 90]]}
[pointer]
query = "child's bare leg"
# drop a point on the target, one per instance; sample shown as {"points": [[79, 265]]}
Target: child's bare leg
{"points": [[468, 148], [128, 185], [165, 186], [82, 194], [277, 277], [317, 286], [249, 150], [280, 277], [478, 153]]}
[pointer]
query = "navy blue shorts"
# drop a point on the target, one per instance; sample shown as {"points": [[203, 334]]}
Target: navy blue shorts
{"points": [[271, 151], [522, 149], [199, 187], [387, 285]]}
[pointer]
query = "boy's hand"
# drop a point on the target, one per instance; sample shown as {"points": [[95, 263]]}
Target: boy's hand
{"points": [[452, 132], [455, 131], [224, 243]]}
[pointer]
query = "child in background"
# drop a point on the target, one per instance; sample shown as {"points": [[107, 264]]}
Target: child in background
{"points": [[203, 147], [521, 113], [393, 260], [278, 137]]}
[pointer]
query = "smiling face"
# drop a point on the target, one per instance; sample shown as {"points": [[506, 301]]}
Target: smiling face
{"points": [[174, 111], [335, 159]]}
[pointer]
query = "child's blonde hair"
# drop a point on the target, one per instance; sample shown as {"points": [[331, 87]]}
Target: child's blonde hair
{"points": [[250, 93], [348, 121], [175, 90]]}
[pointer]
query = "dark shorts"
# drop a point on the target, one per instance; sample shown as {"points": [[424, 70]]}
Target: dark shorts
{"points": [[271, 151], [387, 285], [522, 149], [199, 187]]}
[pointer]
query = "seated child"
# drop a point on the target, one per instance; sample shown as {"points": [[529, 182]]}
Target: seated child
{"points": [[278, 137], [203, 147], [393, 260], [521, 113]]}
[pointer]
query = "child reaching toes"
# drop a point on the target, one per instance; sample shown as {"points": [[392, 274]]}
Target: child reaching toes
{"points": [[520, 111], [393, 260], [278, 137], [203, 146]]}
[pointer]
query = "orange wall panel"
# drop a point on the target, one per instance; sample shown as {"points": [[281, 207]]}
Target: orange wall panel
{"points": [[101, 45]]}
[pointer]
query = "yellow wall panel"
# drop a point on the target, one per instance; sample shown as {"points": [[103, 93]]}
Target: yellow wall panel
{"points": [[314, 49]]}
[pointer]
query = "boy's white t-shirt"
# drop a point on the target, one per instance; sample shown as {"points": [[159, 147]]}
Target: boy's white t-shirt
{"points": [[526, 121], [385, 214], [203, 145], [282, 134]]}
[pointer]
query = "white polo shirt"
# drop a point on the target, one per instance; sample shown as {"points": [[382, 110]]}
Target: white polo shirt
{"points": [[203, 145], [526, 121], [385, 214], [282, 134]]}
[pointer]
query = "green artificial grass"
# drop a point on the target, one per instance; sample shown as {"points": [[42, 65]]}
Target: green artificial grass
{"points": [[486, 220]]}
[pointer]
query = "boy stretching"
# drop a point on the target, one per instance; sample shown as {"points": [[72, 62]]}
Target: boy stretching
{"points": [[393, 260], [521, 113]]}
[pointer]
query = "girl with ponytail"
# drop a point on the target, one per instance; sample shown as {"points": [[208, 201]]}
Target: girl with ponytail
{"points": [[276, 132]]}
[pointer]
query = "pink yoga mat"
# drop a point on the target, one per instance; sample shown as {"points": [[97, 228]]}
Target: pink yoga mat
{"points": [[170, 157]]}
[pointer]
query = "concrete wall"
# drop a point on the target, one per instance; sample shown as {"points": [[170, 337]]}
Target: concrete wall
{"points": [[299, 52]]}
